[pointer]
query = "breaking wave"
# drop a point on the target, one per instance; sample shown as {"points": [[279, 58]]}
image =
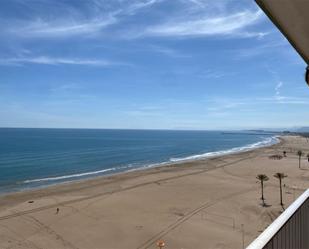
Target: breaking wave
{"points": [[266, 142]]}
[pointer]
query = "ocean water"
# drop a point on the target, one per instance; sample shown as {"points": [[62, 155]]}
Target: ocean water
{"points": [[31, 158]]}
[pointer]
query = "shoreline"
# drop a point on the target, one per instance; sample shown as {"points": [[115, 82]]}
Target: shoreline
{"points": [[200, 204], [191, 159]]}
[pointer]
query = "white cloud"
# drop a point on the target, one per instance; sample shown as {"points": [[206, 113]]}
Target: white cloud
{"points": [[273, 45], [277, 90], [43, 28], [134, 7], [229, 104], [54, 61], [199, 3], [212, 74], [186, 18], [286, 100], [92, 20], [168, 51], [233, 24]]}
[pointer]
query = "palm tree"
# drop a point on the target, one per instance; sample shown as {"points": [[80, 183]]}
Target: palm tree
{"points": [[280, 176], [299, 153], [262, 178]]}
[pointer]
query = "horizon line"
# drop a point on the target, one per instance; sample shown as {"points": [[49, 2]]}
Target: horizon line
{"points": [[157, 129]]}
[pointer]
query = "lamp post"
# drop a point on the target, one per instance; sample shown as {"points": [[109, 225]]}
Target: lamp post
{"points": [[243, 235], [294, 187]]}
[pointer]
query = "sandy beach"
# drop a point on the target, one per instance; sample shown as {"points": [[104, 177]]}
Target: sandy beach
{"points": [[199, 204]]}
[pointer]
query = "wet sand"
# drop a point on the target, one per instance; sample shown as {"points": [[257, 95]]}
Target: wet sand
{"points": [[199, 204]]}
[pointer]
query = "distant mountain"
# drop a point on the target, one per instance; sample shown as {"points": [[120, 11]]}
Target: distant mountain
{"points": [[284, 130], [271, 130], [302, 129]]}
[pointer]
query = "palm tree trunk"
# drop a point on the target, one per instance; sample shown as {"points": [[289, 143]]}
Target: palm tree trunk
{"points": [[262, 187], [298, 162], [281, 203]]}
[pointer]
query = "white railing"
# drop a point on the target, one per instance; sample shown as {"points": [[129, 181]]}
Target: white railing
{"points": [[289, 230]]}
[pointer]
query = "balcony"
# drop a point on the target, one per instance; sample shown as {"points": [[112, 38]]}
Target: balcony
{"points": [[290, 230]]}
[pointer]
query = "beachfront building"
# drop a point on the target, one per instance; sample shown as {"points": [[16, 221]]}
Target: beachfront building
{"points": [[291, 228]]}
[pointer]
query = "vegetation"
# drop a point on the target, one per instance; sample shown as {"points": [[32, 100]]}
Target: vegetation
{"points": [[308, 157], [280, 176], [299, 153], [262, 178]]}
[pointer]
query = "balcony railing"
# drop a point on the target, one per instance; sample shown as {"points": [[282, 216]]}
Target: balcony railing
{"points": [[290, 230]]}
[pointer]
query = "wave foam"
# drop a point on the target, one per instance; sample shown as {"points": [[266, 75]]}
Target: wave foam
{"points": [[266, 142], [69, 176], [56, 178]]}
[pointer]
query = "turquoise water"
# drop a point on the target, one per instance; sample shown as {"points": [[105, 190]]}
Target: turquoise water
{"points": [[31, 158]]}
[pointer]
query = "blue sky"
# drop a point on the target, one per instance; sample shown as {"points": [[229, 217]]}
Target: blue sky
{"points": [[151, 64]]}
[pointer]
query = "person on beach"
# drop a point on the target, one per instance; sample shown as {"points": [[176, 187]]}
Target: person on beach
{"points": [[57, 210]]}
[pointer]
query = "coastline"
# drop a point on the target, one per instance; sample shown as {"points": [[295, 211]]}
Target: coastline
{"points": [[198, 204], [267, 142], [271, 141]]}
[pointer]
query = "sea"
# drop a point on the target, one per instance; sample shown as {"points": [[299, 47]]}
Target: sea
{"points": [[35, 158]]}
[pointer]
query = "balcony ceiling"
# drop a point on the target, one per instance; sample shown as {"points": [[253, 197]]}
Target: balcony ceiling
{"points": [[292, 19]]}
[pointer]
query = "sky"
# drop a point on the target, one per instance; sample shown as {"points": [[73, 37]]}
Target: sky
{"points": [[147, 64]]}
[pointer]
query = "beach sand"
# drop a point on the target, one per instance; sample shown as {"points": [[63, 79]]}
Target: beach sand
{"points": [[200, 204]]}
